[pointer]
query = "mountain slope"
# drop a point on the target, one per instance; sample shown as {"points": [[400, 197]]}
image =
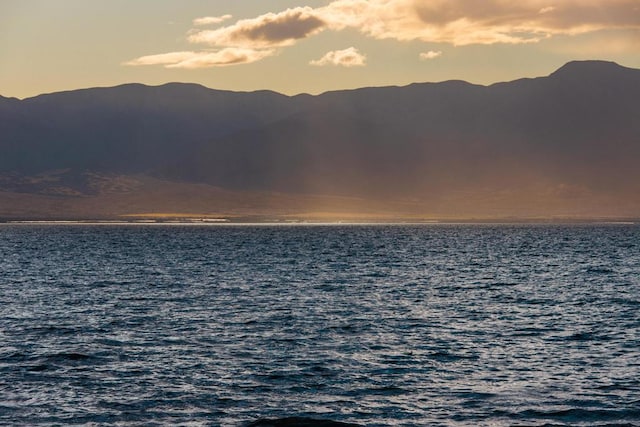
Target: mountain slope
{"points": [[566, 144]]}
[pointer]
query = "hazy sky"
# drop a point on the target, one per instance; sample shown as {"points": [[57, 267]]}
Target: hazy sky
{"points": [[294, 46]]}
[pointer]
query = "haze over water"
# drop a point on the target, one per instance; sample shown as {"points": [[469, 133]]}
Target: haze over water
{"points": [[378, 325]]}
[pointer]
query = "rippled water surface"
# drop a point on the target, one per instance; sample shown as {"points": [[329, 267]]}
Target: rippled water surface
{"points": [[377, 325]]}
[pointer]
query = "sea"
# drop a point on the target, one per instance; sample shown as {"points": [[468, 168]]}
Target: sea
{"points": [[376, 325]]}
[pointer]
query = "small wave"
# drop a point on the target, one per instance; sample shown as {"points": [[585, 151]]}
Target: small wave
{"points": [[497, 285], [13, 357], [299, 422], [600, 270], [73, 357], [37, 368], [55, 330], [475, 395], [575, 415], [528, 332], [386, 391], [444, 356], [32, 363], [376, 274], [586, 336], [620, 386]]}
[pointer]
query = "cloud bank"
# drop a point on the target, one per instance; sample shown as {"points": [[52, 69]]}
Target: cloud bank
{"points": [[456, 22], [465, 22]]}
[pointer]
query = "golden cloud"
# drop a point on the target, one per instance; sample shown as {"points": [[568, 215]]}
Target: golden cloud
{"points": [[349, 57], [269, 30], [209, 20], [432, 54], [603, 44], [457, 22], [464, 22], [193, 60]]}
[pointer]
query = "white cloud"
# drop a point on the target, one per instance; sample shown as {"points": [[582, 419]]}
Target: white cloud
{"points": [[349, 57], [432, 54], [193, 60], [209, 20]]}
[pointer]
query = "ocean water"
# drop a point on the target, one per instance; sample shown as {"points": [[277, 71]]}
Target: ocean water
{"points": [[427, 325]]}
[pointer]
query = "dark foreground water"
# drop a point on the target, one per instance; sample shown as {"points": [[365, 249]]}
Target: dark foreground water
{"points": [[376, 325]]}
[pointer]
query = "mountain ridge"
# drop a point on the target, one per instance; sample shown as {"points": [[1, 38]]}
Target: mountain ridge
{"points": [[569, 66], [569, 140]]}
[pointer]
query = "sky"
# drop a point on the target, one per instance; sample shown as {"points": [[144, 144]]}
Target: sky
{"points": [[303, 46]]}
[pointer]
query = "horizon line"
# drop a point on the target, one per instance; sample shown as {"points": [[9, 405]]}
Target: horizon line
{"points": [[300, 94]]}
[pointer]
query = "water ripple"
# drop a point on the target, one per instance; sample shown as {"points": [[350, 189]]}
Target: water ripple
{"points": [[450, 325]]}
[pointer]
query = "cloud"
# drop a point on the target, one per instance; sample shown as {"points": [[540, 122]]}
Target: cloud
{"points": [[246, 41], [465, 22], [602, 45], [161, 59], [432, 54], [209, 20], [456, 22], [349, 57], [268, 30], [194, 60]]}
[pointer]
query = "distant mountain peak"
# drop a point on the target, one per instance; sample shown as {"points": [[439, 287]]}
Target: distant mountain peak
{"points": [[589, 68]]}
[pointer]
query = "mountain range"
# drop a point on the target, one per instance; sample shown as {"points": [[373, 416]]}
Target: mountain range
{"points": [[562, 146]]}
